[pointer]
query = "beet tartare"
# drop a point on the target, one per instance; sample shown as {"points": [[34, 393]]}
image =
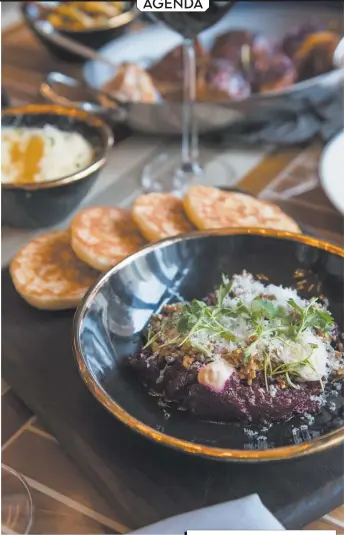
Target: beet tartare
{"points": [[250, 351]]}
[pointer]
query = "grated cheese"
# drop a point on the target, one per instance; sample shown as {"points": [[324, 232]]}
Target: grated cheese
{"points": [[310, 357], [309, 418], [319, 399], [322, 358], [273, 391], [246, 288]]}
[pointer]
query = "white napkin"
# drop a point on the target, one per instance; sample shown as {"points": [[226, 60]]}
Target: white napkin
{"points": [[245, 514]]}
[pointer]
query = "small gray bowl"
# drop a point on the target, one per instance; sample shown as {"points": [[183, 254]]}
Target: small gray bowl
{"points": [[95, 37], [43, 204]]}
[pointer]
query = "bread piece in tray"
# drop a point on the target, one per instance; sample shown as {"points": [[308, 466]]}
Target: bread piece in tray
{"points": [[212, 208], [160, 215], [48, 274], [102, 236]]}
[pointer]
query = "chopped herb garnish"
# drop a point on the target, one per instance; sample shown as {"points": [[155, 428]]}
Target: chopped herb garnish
{"points": [[196, 317], [224, 289], [259, 330], [311, 316]]}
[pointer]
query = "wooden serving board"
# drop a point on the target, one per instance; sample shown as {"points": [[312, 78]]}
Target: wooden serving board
{"points": [[143, 481]]}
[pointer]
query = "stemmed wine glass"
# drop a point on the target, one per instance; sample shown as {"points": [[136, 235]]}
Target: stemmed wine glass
{"points": [[157, 175], [16, 502]]}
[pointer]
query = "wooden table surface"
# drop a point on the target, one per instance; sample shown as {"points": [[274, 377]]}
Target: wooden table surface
{"points": [[278, 177]]}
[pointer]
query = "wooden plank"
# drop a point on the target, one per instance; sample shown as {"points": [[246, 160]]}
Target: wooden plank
{"points": [[280, 178], [262, 175], [322, 525], [15, 29], [338, 514]]}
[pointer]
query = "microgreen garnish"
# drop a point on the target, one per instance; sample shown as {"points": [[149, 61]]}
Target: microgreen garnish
{"points": [[267, 328], [224, 289], [265, 308], [294, 368], [266, 362], [151, 336], [197, 317], [290, 382], [310, 316]]}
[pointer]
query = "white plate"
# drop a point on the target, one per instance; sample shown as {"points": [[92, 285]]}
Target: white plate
{"points": [[332, 171]]}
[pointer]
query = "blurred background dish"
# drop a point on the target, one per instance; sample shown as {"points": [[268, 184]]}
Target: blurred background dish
{"points": [[254, 26], [90, 23], [265, 64], [5, 99], [80, 16], [46, 200], [332, 171]]}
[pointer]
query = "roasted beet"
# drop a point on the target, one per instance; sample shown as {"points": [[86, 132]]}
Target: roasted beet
{"points": [[234, 45], [293, 40], [249, 370], [225, 82], [315, 55], [272, 73], [238, 401], [147, 367], [177, 380]]}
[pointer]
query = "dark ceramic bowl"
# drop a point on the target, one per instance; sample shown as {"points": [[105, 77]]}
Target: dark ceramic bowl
{"points": [[47, 203], [108, 327], [94, 38]]}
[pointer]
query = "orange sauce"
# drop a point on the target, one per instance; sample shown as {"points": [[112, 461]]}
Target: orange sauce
{"points": [[27, 158]]}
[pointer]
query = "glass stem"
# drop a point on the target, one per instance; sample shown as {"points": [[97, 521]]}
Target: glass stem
{"points": [[190, 137]]}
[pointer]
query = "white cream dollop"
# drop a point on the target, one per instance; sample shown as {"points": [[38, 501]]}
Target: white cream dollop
{"points": [[297, 352], [318, 359], [215, 374]]}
